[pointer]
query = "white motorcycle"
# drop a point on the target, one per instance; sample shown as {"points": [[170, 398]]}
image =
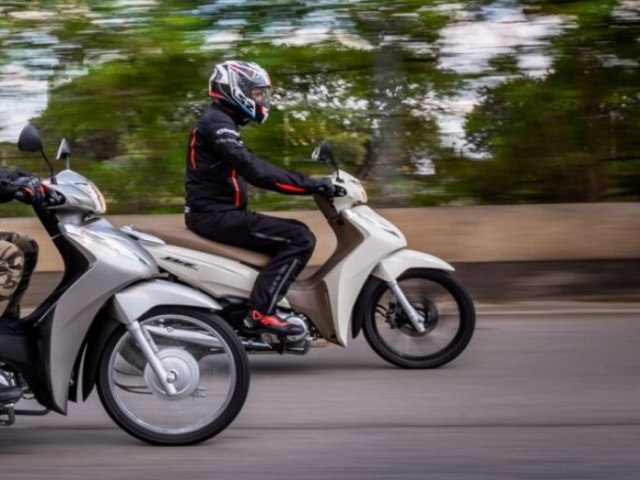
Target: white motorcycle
{"points": [[413, 312], [168, 370]]}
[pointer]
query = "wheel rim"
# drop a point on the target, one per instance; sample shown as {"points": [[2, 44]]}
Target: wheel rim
{"points": [[433, 303], [205, 378]]}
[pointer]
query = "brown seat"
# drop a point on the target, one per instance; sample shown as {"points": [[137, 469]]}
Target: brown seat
{"points": [[183, 237]]}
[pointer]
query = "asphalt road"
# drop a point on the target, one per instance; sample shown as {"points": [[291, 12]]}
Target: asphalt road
{"points": [[537, 395]]}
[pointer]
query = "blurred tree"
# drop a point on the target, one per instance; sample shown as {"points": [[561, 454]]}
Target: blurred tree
{"points": [[127, 78], [568, 136]]}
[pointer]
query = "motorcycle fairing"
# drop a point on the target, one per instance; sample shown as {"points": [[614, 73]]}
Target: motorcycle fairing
{"points": [[113, 262], [328, 296], [109, 261]]}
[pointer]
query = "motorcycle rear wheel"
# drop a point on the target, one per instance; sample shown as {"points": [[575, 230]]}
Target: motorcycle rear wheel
{"points": [[212, 379], [444, 304]]}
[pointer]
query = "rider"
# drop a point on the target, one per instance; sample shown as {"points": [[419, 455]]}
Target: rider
{"points": [[219, 166], [18, 253]]}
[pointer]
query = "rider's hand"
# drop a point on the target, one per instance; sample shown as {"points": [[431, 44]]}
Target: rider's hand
{"points": [[29, 190], [326, 188]]}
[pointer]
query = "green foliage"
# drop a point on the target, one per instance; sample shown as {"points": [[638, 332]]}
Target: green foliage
{"points": [[567, 137], [366, 75]]}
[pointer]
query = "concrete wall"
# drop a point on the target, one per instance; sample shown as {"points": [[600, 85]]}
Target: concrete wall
{"points": [[521, 233]]}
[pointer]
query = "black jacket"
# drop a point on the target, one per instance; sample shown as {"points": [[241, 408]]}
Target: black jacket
{"points": [[6, 177], [219, 166]]}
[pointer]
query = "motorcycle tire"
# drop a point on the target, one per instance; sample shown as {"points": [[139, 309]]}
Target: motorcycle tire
{"points": [[443, 303], [212, 381]]}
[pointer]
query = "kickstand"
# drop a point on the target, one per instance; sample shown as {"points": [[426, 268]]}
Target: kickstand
{"points": [[280, 345], [10, 413]]}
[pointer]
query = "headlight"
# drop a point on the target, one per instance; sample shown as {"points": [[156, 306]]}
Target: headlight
{"points": [[98, 199]]}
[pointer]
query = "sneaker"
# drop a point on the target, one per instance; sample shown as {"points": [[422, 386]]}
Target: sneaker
{"points": [[256, 321]]}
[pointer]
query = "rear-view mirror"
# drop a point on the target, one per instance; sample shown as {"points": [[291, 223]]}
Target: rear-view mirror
{"points": [[30, 140], [323, 153]]}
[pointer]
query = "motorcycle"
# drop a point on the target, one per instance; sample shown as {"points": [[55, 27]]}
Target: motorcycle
{"points": [[413, 312], [168, 369]]}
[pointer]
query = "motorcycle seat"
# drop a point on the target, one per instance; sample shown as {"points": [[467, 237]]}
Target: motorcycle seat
{"points": [[183, 237]]}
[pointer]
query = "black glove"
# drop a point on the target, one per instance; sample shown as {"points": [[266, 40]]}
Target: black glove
{"points": [[326, 188], [28, 190]]}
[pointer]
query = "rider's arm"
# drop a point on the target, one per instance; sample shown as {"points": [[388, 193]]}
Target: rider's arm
{"points": [[6, 177], [6, 195], [21, 185], [257, 171]]}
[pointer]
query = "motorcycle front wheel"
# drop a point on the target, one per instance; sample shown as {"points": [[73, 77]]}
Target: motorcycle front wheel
{"points": [[445, 307], [210, 370]]}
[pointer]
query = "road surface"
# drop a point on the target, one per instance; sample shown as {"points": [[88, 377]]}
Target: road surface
{"points": [[539, 394]]}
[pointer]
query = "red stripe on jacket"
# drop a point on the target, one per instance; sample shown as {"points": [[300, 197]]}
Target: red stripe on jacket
{"points": [[290, 188], [192, 146], [234, 175]]}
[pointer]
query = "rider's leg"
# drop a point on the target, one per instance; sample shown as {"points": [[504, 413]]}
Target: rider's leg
{"points": [[290, 244]]}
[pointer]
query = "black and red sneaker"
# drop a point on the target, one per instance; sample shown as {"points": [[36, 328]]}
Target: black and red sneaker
{"points": [[258, 322]]}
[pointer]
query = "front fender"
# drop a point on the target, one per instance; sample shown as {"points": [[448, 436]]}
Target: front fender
{"points": [[129, 305], [133, 302], [391, 267], [387, 270]]}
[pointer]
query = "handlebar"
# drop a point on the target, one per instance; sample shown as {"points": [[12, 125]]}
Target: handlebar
{"points": [[51, 197]]}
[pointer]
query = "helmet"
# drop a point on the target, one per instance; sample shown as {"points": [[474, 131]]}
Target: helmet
{"points": [[243, 86]]}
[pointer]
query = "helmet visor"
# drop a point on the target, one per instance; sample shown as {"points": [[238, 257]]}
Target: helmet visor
{"points": [[262, 96]]}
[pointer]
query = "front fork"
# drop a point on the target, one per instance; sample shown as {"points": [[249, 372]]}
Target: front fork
{"points": [[417, 320], [167, 378]]}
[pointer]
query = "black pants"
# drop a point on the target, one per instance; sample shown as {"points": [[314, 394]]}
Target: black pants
{"points": [[290, 243]]}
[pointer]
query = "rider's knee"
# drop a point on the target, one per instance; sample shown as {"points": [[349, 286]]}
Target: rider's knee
{"points": [[307, 240]]}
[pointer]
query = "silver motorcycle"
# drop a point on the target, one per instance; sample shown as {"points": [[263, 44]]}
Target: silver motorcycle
{"points": [[168, 369]]}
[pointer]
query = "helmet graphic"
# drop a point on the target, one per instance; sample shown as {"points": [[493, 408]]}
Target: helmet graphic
{"points": [[243, 86]]}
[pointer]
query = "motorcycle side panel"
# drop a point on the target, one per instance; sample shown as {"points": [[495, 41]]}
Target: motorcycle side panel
{"points": [[216, 275], [398, 262]]}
